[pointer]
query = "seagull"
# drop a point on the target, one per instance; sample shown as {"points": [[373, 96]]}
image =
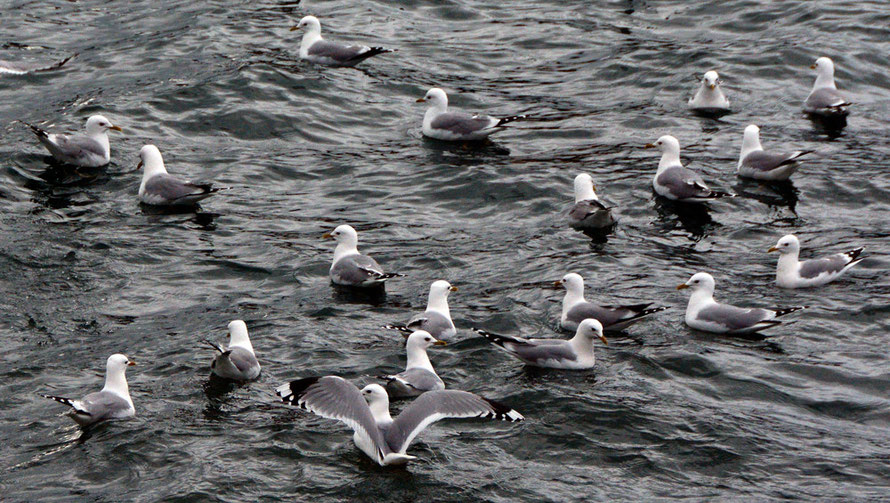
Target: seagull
{"points": [[675, 182], [588, 212], [709, 99], [437, 318], [90, 150], [25, 67], [419, 375], [613, 318], [704, 313], [317, 50], [791, 273], [441, 124], [237, 362], [575, 353], [760, 165], [113, 402], [377, 434], [351, 268], [161, 189], [825, 99]]}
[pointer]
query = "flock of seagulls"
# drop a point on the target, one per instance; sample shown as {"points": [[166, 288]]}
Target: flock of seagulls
{"points": [[376, 433]]}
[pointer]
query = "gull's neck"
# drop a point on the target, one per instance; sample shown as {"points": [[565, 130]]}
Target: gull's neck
{"points": [[434, 111], [241, 341], [116, 382], [418, 358], [700, 299], [149, 169], [102, 138], [789, 263], [585, 192], [750, 143], [438, 302], [824, 79], [345, 248], [573, 296], [582, 345], [709, 97], [380, 411], [669, 159], [310, 37]]}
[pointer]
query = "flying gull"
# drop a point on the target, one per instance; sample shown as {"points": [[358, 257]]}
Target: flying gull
{"points": [[675, 182], [437, 318], [317, 50], [89, 150], [769, 166], [237, 361], [366, 411], [824, 99], [113, 402], [588, 212], [441, 124], [709, 98], [791, 273], [575, 353], [613, 318], [419, 375], [351, 268], [161, 189], [704, 313]]}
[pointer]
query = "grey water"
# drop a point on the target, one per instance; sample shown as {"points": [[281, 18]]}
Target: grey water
{"points": [[668, 413]]}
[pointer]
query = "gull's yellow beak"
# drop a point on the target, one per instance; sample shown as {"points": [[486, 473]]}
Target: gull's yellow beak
{"points": [[440, 343], [295, 28], [593, 186], [557, 283], [649, 145], [139, 166], [712, 86], [421, 100], [772, 249], [812, 67], [683, 286], [117, 128], [326, 235], [131, 363], [603, 338], [453, 288]]}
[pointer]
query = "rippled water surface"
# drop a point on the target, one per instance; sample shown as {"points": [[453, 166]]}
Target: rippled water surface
{"points": [[218, 86]]}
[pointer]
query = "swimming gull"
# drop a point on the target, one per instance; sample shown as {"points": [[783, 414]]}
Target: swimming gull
{"points": [[317, 50], [113, 402], [441, 124], [704, 313], [760, 165], [437, 318], [575, 353], [161, 189], [675, 182], [237, 361], [613, 318], [377, 434], [24, 67], [89, 150], [588, 212], [709, 98], [351, 268], [791, 273], [825, 99], [419, 375]]}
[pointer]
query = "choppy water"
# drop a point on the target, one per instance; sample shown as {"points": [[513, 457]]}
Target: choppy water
{"points": [[668, 412]]}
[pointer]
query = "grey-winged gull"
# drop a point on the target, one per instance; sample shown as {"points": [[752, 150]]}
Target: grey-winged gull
{"points": [[351, 268], [437, 318], [675, 182], [588, 212], [366, 411], [158, 188], [419, 375], [317, 50], [791, 273], [576, 309], [237, 361], [709, 98], [755, 163], [706, 314], [89, 150], [441, 124], [825, 99], [575, 353], [113, 402]]}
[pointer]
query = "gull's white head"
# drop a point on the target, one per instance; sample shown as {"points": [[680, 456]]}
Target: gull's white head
{"points": [[585, 190], [573, 283], [750, 141], [422, 339], [343, 234], [590, 329], [238, 335], [98, 124], [375, 394], [711, 80], [115, 374], [701, 281], [667, 144], [436, 98], [151, 161], [788, 244], [824, 73], [311, 23], [118, 363]]}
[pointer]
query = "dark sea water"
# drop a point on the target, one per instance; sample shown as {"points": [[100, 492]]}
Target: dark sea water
{"points": [[668, 413]]}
